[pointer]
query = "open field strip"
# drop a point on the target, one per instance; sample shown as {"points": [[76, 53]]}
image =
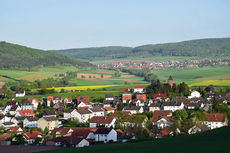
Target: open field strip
{"points": [[212, 82], [83, 87]]}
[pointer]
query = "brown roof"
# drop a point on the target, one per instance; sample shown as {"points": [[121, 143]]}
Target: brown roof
{"points": [[158, 114], [216, 117], [4, 136], [50, 118], [32, 134], [101, 119], [84, 111]]}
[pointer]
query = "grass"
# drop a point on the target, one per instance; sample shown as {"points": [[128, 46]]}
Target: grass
{"points": [[38, 73], [194, 75], [212, 82], [215, 141]]}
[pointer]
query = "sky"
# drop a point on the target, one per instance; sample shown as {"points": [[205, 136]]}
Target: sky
{"points": [[62, 24]]}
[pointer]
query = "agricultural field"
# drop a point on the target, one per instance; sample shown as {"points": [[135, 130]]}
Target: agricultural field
{"points": [[93, 77], [214, 141], [36, 74], [192, 76], [212, 82], [82, 87]]}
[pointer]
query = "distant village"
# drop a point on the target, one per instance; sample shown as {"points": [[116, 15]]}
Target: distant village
{"points": [[161, 65], [132, 116]]}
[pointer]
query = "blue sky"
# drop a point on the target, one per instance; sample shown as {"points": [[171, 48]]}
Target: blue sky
{"points": [[60, 24]]}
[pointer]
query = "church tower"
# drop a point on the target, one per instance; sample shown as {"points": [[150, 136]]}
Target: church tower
{"points": [[170, 81]]}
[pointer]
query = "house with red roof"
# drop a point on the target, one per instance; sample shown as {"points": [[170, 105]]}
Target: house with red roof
{"points": [[107, 121], [215, 120], [126, 97], [83, 101], [33, 101], [16, 129], [162, 118], [141, 97], [108, 110], [160, 96], [139, 89], [68, 100], [25, 113], [31, 136]]}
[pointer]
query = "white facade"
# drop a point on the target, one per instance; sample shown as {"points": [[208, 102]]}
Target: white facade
{"points": [[20, 94], [194, 94], [4, 119], [162, 123], [82, 143], [111, 136], [29, 124], [138, 90], [214, 125], [173, 108]]}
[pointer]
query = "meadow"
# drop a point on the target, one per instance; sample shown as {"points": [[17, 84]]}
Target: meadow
{"points": [[214, 141], [37, 73], [194, 75]]}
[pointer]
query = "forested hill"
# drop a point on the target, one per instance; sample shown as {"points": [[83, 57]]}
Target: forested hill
{"points": [[200, 47], [97, 52], [14, 56]]}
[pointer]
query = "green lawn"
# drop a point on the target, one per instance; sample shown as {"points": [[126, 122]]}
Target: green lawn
{"points": [[215, 141]]}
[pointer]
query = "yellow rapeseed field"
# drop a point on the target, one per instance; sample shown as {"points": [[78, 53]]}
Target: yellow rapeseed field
{"points": [[212, 82], [83, 87]]}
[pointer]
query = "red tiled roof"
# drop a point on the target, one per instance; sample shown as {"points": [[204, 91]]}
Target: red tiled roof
{"points": [[32, 134], [101, 119], [166, 131], [123, 89], [14, 129], [50, 98], [4, 136], [108, 108], [141, 97], [158, 114], [126, 96], [159, 96], [215, 117], [84, 99], [139, 87], [119, 132], [26, 112]]}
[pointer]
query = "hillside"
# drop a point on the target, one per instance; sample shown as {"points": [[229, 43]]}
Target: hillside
{"points": [[110, 52], [14, 56], [215, 141], [200, 47]]}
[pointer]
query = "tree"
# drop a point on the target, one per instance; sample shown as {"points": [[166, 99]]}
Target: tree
{"points": [[51, 103], [46, 130], [181, 114], [18, 140], [39, 106]]}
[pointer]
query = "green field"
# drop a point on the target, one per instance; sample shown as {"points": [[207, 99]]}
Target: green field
{"points": [[195, 74], [215, 141], [38, 73]]}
